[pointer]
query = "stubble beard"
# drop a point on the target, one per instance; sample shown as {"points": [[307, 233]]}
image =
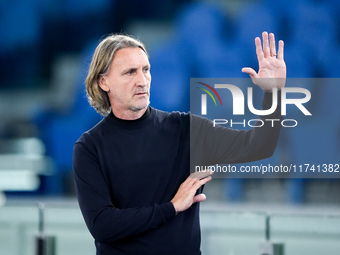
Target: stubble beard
{"points": [[137, 108]]}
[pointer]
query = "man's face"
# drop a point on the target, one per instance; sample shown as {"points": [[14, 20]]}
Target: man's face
{"points": [[128, 81]]}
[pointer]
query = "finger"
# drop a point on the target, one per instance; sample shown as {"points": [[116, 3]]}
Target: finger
{"points": [[200, 183], [201, 174], [194, 178], [189, 181], [266, 50], [272, 44], [252, 73], [259, 51], [280, 52], [199, 198]]}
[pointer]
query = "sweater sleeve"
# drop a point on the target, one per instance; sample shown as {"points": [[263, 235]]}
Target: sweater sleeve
{"points": [[222, 145], [106, 222]]}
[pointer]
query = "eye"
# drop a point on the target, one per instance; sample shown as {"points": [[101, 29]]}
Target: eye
{"points": [[146, 69], [131, 71]]}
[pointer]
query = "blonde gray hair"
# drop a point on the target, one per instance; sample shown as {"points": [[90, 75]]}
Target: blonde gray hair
{"points": [[100, 65]]}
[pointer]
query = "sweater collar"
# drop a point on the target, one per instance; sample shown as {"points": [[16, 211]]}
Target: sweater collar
{"points": [[144, 116]]}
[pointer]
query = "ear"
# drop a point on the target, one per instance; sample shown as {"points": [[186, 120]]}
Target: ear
{"points": [[102, 84]]}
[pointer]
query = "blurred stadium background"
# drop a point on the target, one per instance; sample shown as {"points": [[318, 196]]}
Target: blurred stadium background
{"points": [[45, 50]]}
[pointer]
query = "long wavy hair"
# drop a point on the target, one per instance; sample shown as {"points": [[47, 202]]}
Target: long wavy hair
{"points": [[100, 65]]}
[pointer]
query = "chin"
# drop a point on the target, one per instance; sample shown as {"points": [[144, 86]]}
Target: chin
{"points": [[139, 107]]}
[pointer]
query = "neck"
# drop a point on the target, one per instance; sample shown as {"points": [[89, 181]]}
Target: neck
{"points": [[129, 114]]}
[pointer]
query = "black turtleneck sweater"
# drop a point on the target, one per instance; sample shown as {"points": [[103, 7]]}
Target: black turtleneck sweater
{"points": [[127, 172]]}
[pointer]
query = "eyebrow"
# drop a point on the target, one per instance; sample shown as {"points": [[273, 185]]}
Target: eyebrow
{"points": [[129, 69], [134, 68]]}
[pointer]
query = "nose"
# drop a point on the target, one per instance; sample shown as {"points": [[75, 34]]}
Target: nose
{"points": [[142, 78]]}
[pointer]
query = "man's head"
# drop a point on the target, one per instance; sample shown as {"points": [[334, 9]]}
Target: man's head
{"points": [[119, 75]]}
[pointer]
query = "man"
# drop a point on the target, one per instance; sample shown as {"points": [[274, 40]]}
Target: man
{"points": [[132, 169]]}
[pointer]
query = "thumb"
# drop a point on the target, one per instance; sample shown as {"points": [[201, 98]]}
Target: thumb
{"points": [[199, 198], [252, 73]]}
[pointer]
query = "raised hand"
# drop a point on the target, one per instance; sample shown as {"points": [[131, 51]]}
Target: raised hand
{"points": [[272, 68]]}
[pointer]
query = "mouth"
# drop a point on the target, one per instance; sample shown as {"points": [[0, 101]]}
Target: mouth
{"points": [[141, 93]]}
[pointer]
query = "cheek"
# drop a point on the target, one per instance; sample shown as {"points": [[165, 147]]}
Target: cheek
{"points": [[118, 91], [149, 77]]}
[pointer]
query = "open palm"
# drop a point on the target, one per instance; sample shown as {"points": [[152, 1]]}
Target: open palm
{"points": [[272, 68]]}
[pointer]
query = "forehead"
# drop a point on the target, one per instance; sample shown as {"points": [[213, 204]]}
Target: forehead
{"points": [[130, 56]]}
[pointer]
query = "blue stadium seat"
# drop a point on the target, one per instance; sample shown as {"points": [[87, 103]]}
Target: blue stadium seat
{"points": [[252, 20], [314, 27], [298, 61], [20, 26], [333, 67], [199, 22], [204, 29], [170, 75], [283, 11], [174, 62], [85, 19]]}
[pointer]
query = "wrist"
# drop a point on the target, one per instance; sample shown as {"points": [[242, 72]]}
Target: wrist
{"points": [[175, 207]]}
